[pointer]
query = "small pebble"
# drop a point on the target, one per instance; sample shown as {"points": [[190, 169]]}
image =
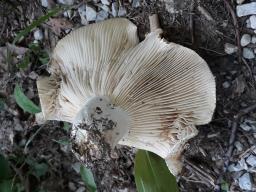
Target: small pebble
{"points": [[122, 11], [230, 48], [105, 8], [45, 3], [81, 189], [91, 13], [38, 34], [246, 9], [114, 8], [235, 168], [76, 166], [248, 23], [245, 182], [238, 146], [251, 160], [102, 15], [82, 13], [105, 2], [226, 84], [135, 3], [71, 186], [253, 39], [253, 21], [67, 13], [66, 2], [248, 53], [239, 1], [245, 39]]}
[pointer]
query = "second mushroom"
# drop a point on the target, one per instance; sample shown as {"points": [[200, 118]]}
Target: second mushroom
{"points": [[116, 90]]}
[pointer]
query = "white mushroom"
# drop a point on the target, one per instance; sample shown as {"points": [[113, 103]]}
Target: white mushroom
{"points": [[149, 95]]}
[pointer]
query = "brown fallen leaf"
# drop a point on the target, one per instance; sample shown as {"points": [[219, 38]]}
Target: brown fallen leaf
{"points": [[59, 24]]}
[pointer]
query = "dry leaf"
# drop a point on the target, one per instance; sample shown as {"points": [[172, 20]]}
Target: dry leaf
{"points": [[58, 24]]}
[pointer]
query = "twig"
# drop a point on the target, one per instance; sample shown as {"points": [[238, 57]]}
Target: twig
{"points": [[231, 10], [233, 136], [205, 13], [191, 22], [18, 172], [31, 138]]}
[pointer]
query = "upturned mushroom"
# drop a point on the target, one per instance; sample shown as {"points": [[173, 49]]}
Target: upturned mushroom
{"points": [[114, 89]]}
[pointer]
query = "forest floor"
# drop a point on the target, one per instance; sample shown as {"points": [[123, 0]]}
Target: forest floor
{"points": [[215, 160]]}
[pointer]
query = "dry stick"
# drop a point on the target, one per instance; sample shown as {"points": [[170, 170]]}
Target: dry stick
{"points": [[191, 22], [230, 9]]}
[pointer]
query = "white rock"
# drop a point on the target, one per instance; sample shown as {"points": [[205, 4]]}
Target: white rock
{"points": [[38, 34], [235, 168], [245, 39], [66, 2], [122, 11], [102, 15], [243, 164], [248, 53], [82, 14], [253, 21], [45, 3], [246, 9], [253, 39], [91, 13], [251, 160], [81, 189], [105, 8], [226, 84], [248, 23], [76, 166], [245, 182], [68, 13], [239, 1], [135, 3], [254, 50], [105, 2], [238, 146], [114, 8], [230, 48]]}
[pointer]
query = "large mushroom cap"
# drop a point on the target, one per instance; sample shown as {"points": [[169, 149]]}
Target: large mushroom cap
{"points": [[163, 89]]}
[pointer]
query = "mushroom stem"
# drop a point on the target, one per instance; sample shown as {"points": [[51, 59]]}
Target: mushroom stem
{"points": [[154, 24]]}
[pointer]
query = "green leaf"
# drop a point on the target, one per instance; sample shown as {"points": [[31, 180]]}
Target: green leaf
{"points": [[152, 174], [224, 186], [88, 179], [25, 103], [36, 23], [62, 141], [5, 171], [37, 169], [25, 62], [6, 186]]}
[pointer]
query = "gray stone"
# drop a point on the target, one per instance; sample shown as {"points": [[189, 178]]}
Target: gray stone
{"points": [[235, 168], [238, 146], [81, 189], [114, 8], [226, 84], [105, 8], [76, 166], [38, 34], [230, 48], [66, 2], [122, 11], [135, 3], [253, 21], [251, 160], [239, 1], [245, 182], [45, 3], [246, 9], [91, 13], [248, 53], [82, 14], [253, 39], [71, 186], [102, 15], [105, 2], [245, 39]]}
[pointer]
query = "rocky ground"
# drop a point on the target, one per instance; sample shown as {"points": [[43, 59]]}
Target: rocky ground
{"points": [[223, 155]]}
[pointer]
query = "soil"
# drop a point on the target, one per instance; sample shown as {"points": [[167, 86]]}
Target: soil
{"points": [[206, 156]]}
